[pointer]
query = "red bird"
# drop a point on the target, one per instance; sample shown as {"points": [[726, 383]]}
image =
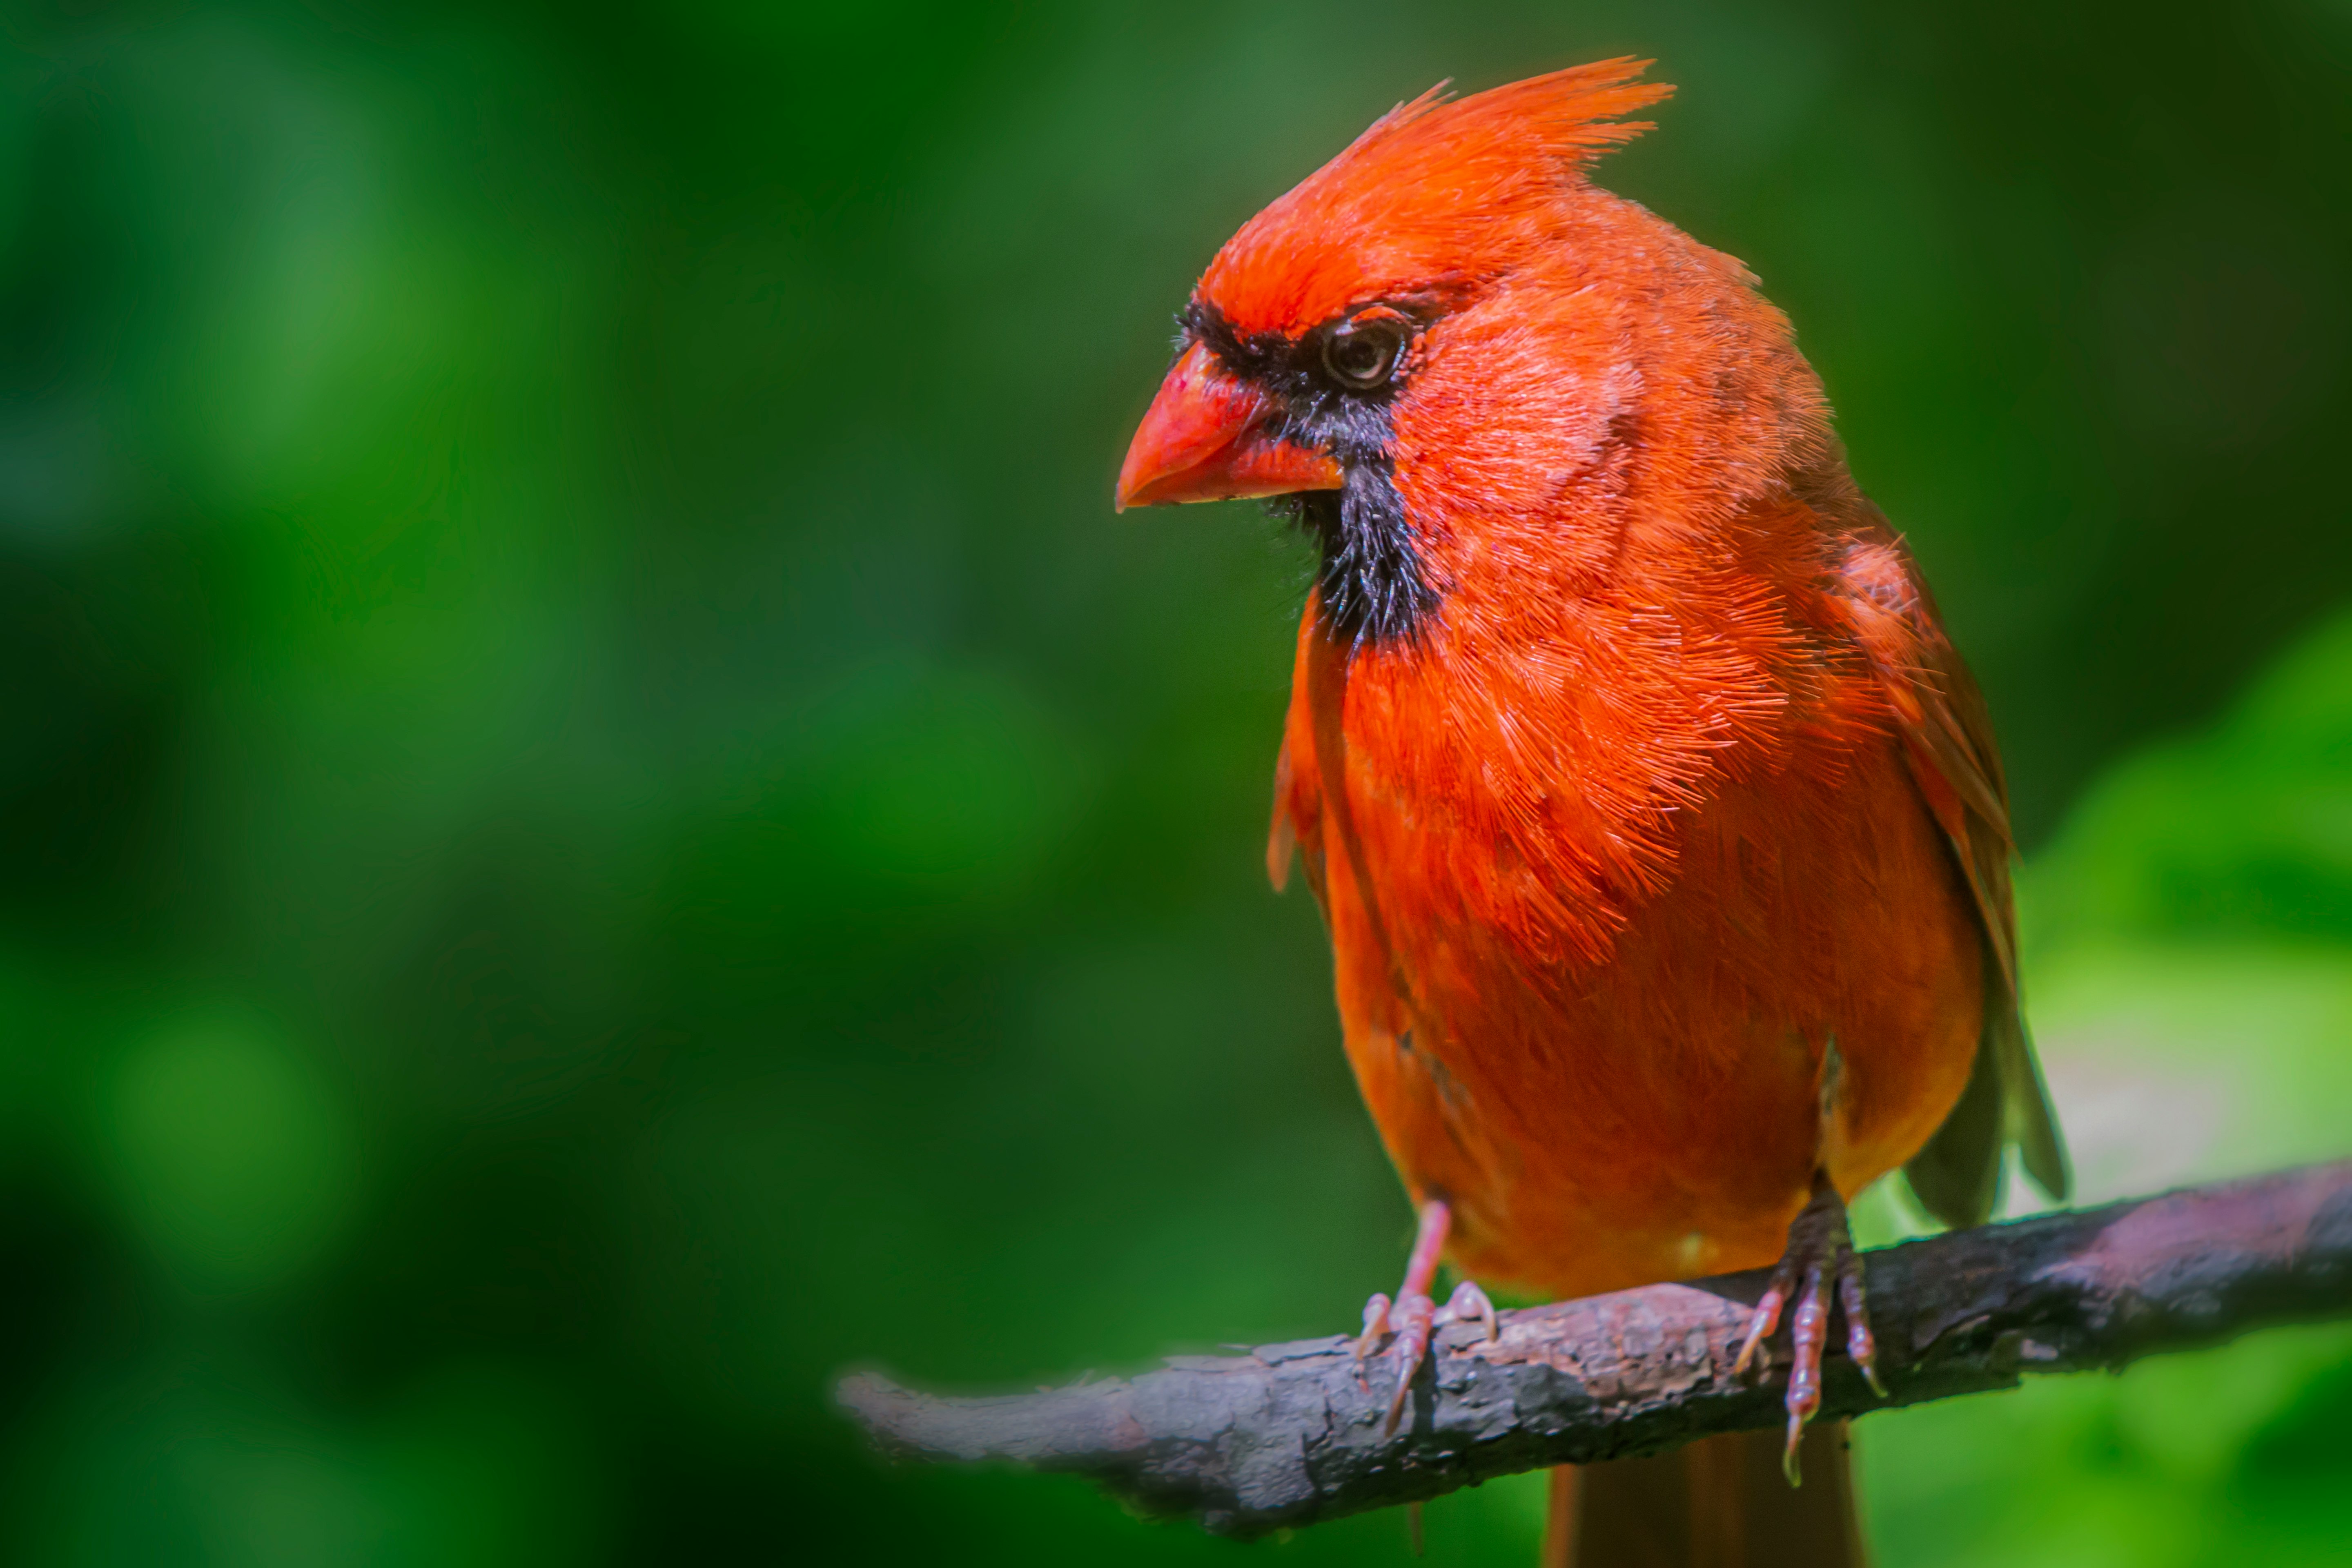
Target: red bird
{"points": [[1658, 829]]}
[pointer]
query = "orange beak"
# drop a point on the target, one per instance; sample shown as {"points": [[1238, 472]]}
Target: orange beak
{"points": [[1209, 438]]}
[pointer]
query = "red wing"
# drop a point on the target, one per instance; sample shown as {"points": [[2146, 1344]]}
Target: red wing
{"points": [[1948, 735], [1297, 827]]}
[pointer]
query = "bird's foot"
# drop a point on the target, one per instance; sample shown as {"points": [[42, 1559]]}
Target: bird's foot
{"points": [[1415, 1320], [1413, 1317], [1820, 1259]]}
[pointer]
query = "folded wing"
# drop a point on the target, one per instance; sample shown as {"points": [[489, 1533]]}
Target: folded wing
{"points": [[1948, 734]]}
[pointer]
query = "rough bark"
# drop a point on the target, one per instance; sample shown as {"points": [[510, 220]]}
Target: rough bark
{"points": [[1290, 1434]]}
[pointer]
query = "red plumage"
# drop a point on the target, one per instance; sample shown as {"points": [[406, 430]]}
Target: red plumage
{"points": [[1659, 830]]}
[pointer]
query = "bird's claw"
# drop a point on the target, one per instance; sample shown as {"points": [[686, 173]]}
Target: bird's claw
{"points": [[1820, 1260], [1376, 1326], [1413, 1317], [1415, 1320], [1468, 1304], [1861, 1346]]}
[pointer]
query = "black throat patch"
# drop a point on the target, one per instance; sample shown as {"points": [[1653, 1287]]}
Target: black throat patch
{"points": [[1371, 585]]}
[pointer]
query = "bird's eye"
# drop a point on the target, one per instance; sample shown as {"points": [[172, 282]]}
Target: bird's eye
{"points": [[1364, 353]]}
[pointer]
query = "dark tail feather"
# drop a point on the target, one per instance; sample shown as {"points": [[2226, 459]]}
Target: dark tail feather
{"points": [[1720, 1502], [1957, 1177]]}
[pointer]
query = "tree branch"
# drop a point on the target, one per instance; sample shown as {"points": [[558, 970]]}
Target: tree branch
{"points": [[1289, 1434]]}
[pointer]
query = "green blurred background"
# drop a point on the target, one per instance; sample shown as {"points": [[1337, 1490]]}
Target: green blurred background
{"points": [[601, 820]]}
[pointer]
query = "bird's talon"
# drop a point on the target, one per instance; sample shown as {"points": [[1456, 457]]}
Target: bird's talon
{"points": [[1861, 1345], [1413, 1317], [1416, 1319], [1764, 1319], [1820, 1270], [1396, 1401], [1469, 1304]]}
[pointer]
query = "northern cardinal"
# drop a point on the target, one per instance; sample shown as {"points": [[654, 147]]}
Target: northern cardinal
{"points": [[1658, 829]]}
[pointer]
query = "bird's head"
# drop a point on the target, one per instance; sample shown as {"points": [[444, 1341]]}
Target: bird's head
{"points": [[1435, 319]]}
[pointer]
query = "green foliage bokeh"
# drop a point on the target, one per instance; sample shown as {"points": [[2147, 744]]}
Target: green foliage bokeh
{"points": [[599, 819]]}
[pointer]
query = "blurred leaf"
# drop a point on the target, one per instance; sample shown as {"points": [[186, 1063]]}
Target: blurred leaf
{"points": [[234, 1155]]}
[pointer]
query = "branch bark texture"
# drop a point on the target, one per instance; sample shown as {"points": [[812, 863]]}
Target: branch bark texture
{"points": [[1289, 1435]]}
